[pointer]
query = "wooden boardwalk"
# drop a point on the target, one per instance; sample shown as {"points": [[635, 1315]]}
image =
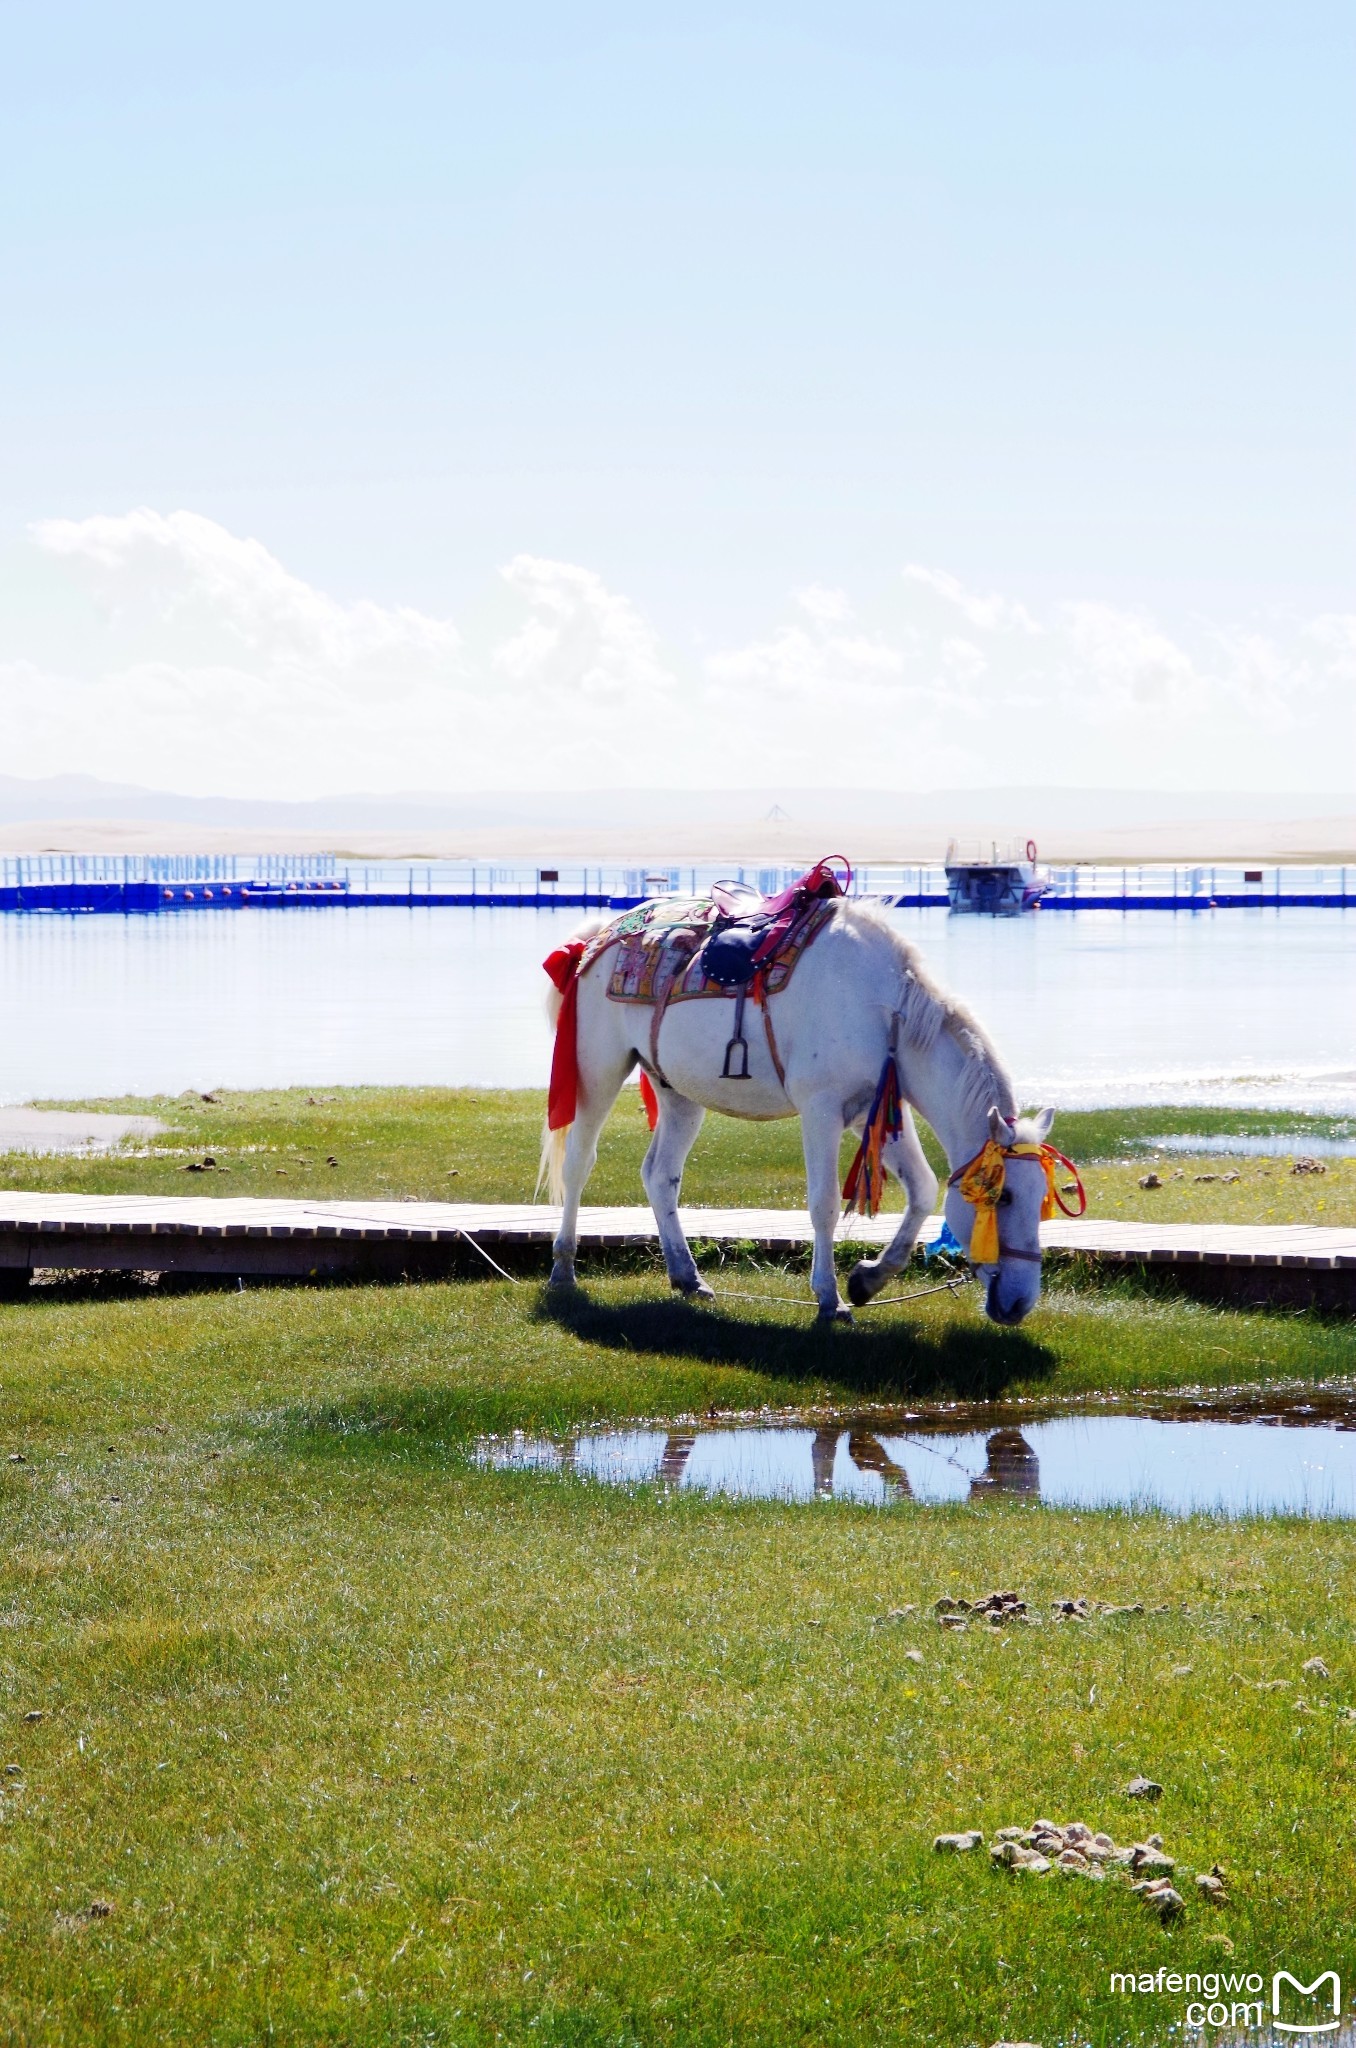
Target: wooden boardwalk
{"points": [[252, 1238]]}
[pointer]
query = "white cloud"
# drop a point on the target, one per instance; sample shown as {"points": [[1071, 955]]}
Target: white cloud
{"points": [[1090, 693], [826, 607], [184, 578], [990, 614], [822, 659], [169, 651], [216, 669], [579, 636], [1118, 663], [965, 662], [1336, 632]]}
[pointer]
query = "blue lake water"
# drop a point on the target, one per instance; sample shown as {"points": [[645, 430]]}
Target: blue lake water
{"points": [[1253, 1007]]}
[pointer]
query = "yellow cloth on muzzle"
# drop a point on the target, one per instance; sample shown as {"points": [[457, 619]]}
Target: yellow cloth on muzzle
{"points": [[981, 1183]]}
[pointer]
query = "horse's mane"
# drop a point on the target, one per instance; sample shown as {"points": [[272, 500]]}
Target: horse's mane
{"points": [[926, 1012]]}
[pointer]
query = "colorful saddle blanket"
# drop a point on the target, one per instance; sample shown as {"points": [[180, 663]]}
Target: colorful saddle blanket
{"points": [[659, 950]]}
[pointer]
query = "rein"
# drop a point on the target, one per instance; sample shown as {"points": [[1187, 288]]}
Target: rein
{"points": [[952, 1286]]}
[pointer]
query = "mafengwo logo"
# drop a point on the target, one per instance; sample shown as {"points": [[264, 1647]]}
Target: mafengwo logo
{"points": [[1237, 1999], [1306, 2008]]}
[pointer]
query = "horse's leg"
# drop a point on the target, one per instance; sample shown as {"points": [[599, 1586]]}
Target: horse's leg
{"points": [[581, 1151], [823, 1452], [821, 1130], [679, 1122], [906, 1160]]}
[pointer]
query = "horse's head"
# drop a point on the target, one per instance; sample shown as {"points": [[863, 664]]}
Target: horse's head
{"points": [[994, 1204]]}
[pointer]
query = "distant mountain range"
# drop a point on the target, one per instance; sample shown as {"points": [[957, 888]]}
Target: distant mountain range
{"points": [[1005, 809]]}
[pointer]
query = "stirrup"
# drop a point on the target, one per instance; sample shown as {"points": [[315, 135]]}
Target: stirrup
{"points": [[740, 1045]]}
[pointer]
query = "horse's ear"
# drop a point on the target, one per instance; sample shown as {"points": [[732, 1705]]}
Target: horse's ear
{"points": [[1000, 1130], [1041, 1124]]}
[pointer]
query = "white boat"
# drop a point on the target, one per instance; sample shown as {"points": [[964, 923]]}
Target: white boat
{"points": [[999, 882]]}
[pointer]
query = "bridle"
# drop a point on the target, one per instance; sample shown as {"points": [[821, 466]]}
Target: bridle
{"points": [[981, 1182], [1015, 1251]]}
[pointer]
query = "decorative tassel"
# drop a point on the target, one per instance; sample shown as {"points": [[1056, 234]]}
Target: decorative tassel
{"points": [[649, 1099], [865, 1183], [945, 1245]]}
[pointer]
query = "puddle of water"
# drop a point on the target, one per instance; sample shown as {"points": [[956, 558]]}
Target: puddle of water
{"points": [[1271, 2037], [1212, 2037], [1253, 1145], [60, 1130], [1254, 1456]]}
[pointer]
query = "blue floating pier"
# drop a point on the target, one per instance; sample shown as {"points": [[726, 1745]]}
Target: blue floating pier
{"points": [[151, 885]]}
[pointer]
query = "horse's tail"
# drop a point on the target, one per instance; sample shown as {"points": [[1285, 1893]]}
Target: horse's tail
{"points": [[551, 1165]]}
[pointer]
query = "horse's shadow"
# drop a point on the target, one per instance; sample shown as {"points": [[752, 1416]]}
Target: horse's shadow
{"points": [[968, 1361]]}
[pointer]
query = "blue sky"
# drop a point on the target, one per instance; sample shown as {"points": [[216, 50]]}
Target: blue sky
{"points": [[700, 313]]}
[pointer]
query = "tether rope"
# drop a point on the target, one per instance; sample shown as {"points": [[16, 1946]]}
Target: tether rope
{"points": [[722, 1293], [943, 1287], [920, 1443], [387, 1223], [882, 1301], [485, 1255]]}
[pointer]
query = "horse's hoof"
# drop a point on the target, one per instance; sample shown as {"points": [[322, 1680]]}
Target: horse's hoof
{"points": [[840, 1313], [859, 1292], [696, 1290], [562, 1280]]}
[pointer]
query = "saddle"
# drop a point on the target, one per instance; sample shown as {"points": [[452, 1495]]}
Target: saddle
{"points": [[736, 900], [752, 930], [731, 943]]}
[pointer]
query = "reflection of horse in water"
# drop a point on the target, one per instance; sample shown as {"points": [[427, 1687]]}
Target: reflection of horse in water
{"points": [[677, 1450], [1013, 1467], [866, 1453]]}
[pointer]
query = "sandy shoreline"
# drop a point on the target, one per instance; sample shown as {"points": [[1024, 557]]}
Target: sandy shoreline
{"points": [[1309, 840]]}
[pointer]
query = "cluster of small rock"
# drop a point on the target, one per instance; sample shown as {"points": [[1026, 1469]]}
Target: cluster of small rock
{"points": [[1080, 1851], [995, 1608], [1304, 1164], [1082, 1610], [999, 1609], [1152, 1180]]}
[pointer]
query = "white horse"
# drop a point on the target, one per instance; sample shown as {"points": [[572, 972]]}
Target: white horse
{"points": [[858, 993]]}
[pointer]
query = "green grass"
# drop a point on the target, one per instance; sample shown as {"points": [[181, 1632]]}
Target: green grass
{"points": [[482, 1146], [366, 1745], [437, 1144]]}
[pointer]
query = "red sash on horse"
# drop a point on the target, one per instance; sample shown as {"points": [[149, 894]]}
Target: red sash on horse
{"points": [[563, 1099]]}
